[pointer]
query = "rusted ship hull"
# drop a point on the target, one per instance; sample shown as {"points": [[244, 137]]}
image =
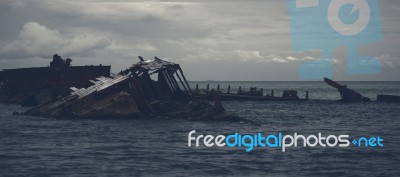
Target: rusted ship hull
{"points": [[32, 86]]}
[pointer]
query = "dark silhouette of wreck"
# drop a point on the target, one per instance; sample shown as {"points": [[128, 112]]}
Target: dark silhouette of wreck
{"points": [[253, 94], [348, 95], [351, 96], [150, 88], [30, 86]]}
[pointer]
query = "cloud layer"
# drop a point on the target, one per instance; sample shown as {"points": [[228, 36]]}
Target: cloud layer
{"points": [[253, 37], [36, 40]]}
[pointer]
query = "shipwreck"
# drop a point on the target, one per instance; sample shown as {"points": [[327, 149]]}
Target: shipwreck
{"points": [[151, 88], [347, 95], [33, 86], [253, 94]]}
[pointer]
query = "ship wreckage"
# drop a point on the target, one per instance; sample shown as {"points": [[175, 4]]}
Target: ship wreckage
{"points": [[151, 88], [33, 86]]}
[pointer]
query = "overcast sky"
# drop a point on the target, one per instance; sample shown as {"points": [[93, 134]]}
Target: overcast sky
{"points": [[224, 40]]}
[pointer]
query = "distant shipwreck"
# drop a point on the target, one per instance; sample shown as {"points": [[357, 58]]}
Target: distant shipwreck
{"points": [[351, 96], [150, 88], [253, 94]]}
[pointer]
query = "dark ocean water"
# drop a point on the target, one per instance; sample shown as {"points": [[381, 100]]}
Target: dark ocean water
{"points": [[32, 146]]}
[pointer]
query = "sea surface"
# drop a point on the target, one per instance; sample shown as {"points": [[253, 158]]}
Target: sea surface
{"points": [[33, 146]]}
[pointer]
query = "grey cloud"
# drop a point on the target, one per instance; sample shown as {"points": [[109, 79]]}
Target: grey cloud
{"points": [[389, 61], [36, 40], [226, 33]]}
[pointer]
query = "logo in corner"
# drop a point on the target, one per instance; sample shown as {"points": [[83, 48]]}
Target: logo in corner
{"points": [[328, 24]]}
